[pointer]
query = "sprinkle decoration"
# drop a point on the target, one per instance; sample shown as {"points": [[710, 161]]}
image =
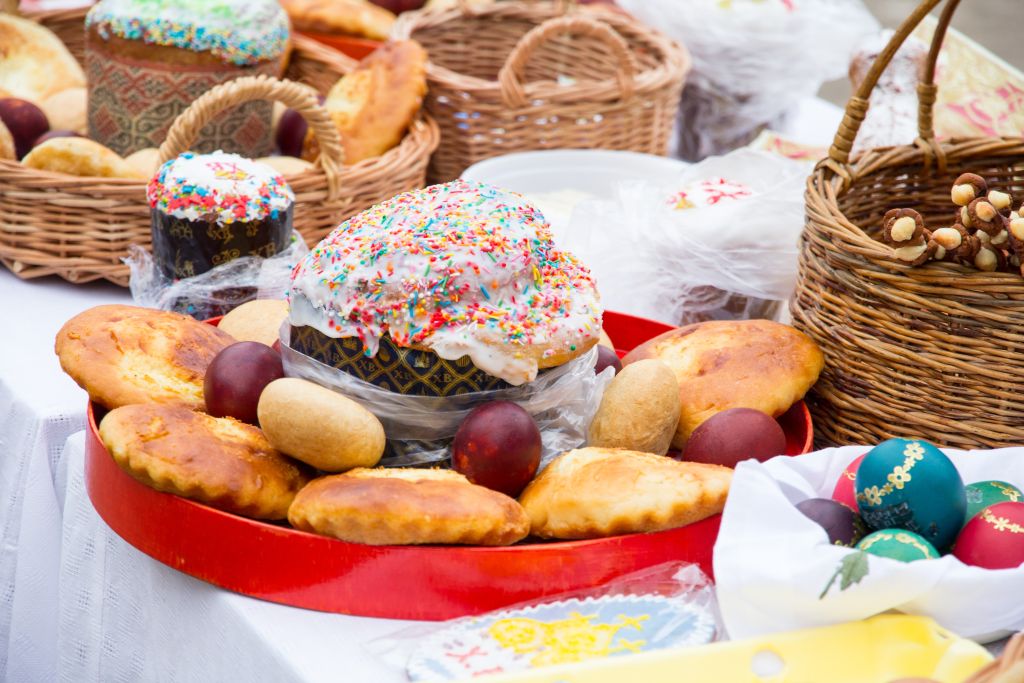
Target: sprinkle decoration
{"points": [[460, 268], [241, 32], [218, 187]]}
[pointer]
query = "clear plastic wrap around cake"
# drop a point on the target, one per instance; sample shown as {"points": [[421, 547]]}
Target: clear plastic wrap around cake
{"points": [[420, 428], [717, 242], [216, 291]]}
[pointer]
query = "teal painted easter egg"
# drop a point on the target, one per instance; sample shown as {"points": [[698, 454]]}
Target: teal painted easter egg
{"points": [[981, 494], [912, 485], [898, 544]]}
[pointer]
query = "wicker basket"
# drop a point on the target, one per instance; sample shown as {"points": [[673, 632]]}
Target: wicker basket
{"points": [[515, 76], [936, 351], [1008, 668], [80, 228]]}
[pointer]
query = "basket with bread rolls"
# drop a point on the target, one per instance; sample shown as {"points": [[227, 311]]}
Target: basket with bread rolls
{"points": [[442, 321], [89, 98]]}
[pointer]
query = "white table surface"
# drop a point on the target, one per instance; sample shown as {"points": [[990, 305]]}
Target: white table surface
{"points": [[79, 604]]}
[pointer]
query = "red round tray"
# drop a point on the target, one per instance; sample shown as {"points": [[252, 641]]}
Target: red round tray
{"points": [[280, 564]]}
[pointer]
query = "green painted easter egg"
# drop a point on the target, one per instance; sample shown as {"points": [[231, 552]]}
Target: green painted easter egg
{"points": [[898, 544], [981, 494]]}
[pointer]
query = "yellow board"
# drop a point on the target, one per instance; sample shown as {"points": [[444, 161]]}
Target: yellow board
{"points": [[880, 649]]}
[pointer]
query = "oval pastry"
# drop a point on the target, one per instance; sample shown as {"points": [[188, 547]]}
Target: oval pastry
{"points": [[219, 461], [404, 506], [127, 354]]}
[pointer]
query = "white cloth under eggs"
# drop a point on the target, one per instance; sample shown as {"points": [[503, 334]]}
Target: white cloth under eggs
{"points": [[793, 560]]}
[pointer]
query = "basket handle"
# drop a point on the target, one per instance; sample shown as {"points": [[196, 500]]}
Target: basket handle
{"points": [[297, 96], [857, 106], [510, 77]]}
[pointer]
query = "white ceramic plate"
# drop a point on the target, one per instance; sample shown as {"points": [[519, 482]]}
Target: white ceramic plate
{"points": [[556, 180]]}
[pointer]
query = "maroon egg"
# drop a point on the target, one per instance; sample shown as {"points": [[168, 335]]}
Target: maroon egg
{"points": [[59, 133], [498, 446], [291, 132], [735, 435], [605, 358], [25, 121], [236, 378], [843, 525]]}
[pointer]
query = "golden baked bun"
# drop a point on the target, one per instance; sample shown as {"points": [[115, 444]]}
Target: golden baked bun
{"points": [[639, 410], [125, 354], [80, 157], [320, 427], [34, 63], [719, 365], [374, 105], [598, 492], [146, 161], [221, 462], [66, 110], [258, 320], [606, 341], [7, 150], [287, 166], [398, 506], [348, 17]]}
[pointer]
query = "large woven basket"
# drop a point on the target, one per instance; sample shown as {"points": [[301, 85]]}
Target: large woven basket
{"points": [[933, 352], [1008, 668], [514, 76], [80, 228]]}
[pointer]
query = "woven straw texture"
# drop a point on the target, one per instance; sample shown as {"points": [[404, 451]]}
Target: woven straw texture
{"points": [[516, 76], [931, 352], [1008, 668], [80, 228]]}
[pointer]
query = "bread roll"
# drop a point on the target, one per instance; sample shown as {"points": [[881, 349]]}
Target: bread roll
{"points": [[405, 506], [319, 427], [258, 320], [597, 492], [218, 461], [34, 63], [66, 110], [80, 157], [639, 410], [719, 365]]}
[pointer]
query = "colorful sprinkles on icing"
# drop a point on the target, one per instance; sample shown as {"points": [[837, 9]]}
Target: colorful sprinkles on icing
{"points": [[219, 187], [462, 268], [238, 31]]}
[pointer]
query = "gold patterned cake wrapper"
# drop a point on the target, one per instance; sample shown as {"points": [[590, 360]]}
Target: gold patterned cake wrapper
{"points": [[132, 104], [185, 248], [412, 372], [979, 94]]}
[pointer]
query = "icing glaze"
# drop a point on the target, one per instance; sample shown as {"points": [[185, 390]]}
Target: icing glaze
{"points": [[218, 187], [461, 269], [238, 31]]}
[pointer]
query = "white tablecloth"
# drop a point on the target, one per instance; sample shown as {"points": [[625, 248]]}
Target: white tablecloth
{"points": [[76, 602], [39, 408]]}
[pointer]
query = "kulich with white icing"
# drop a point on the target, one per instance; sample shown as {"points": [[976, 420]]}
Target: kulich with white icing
{"points": [[240, 32], [460, 269], [219, 187]]}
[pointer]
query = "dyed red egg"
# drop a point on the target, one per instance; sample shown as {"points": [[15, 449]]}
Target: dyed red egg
{"points": [[994, 538], [845, 491]]}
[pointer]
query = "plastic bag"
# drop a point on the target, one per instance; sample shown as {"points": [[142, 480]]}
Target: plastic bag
{"points": [[419, 429], [719, 241], [772, 564], [218, 290], [752, 60], [666, 606]]}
